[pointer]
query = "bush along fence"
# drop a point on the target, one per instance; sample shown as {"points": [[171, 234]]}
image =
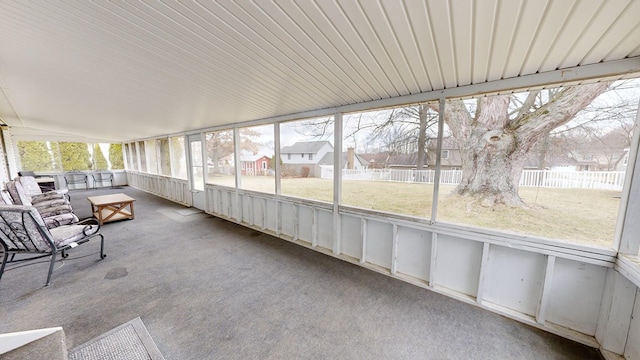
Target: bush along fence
{"points": [[602, 180]]}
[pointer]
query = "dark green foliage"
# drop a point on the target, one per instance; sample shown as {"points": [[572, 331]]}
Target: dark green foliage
{"points": [[115, 157], [99, 161], [35, 156], [75, 156]]}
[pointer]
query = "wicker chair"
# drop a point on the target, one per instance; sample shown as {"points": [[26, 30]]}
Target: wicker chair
{"points": [[23, 233]]}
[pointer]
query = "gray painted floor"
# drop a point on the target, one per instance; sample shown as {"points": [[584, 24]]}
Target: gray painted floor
{"points": [[209, 289]]}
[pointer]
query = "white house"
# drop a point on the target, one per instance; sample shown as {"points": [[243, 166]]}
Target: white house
{"points": [[301, 158]]}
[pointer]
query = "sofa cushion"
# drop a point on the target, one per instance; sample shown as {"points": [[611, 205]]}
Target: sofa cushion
{"points": [[58, 220], [51, 195], [55, 210]]}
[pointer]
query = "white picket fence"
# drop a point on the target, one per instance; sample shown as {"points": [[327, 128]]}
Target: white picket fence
{"points": [[604, 180]]}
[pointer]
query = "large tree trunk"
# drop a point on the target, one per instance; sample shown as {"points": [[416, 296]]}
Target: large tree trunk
{"points": [[495, 148]]}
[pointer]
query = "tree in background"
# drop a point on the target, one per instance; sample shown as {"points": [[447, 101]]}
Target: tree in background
{"points": [[165, 157], [35, 156], [178, 163], [115, 156], [75, 156], [99, 161], [412, 127], [496, 135], [221, 144]]}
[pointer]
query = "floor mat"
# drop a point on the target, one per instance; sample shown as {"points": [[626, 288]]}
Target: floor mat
{"points": [[130, 341]]}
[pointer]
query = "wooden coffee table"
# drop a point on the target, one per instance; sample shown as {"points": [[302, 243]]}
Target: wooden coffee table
{"points": [[112, 207]]}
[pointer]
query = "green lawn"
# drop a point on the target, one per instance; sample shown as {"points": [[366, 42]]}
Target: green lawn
{"points": [[575, 215]]}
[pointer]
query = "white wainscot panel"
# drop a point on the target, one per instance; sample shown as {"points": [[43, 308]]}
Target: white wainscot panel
{"points": [[458, 264], [325, 229], [576, 294], [305, 224], [225, 203], [351, 236], [288, 219], [414, 252], [256, 212], [379, 243], [271, 216], [211, 196], [632, 351], [246, 209], [236, 206], [514, 279]]}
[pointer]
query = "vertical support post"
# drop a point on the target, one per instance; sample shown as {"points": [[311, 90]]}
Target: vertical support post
{"points": [[239, 206], [616, 312], [434, 257], [541, 312], [214, 197], [337, 183], [252, 220], [276, 155], [220, 203], [314, 227], [137, 159], [236, 157], [483, 272], [436, 178], [296, 222], [238, 180], [263, 206], [363, 233], [625, 239], [394, 251]]}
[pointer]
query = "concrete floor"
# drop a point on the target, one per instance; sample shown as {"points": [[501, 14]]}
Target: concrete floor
{"points": [[209, 289]]}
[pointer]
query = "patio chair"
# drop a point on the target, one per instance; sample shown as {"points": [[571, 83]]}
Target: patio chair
{"points": [[102, 177], [23, 232], [54, 208], [75, 178], [32, 188]]}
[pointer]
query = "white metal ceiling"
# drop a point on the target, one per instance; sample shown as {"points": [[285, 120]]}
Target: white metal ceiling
{"points": [[121, 70]]}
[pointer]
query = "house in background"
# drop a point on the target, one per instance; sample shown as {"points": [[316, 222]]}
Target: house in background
{"points": [[376, 160], [451, 157], [301, 159], [622, 163], [405, 161], [254, 164], [350, 160]]}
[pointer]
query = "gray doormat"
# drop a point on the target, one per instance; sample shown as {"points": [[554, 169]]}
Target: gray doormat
{"points": [[130, 341]]}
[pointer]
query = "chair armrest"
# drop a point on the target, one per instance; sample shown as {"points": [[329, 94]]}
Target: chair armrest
{"points": [[90, 223]]}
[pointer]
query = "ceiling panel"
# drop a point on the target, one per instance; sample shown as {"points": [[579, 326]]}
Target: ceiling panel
{"points": [[483, 38], [425, 42], [123, 70]]}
